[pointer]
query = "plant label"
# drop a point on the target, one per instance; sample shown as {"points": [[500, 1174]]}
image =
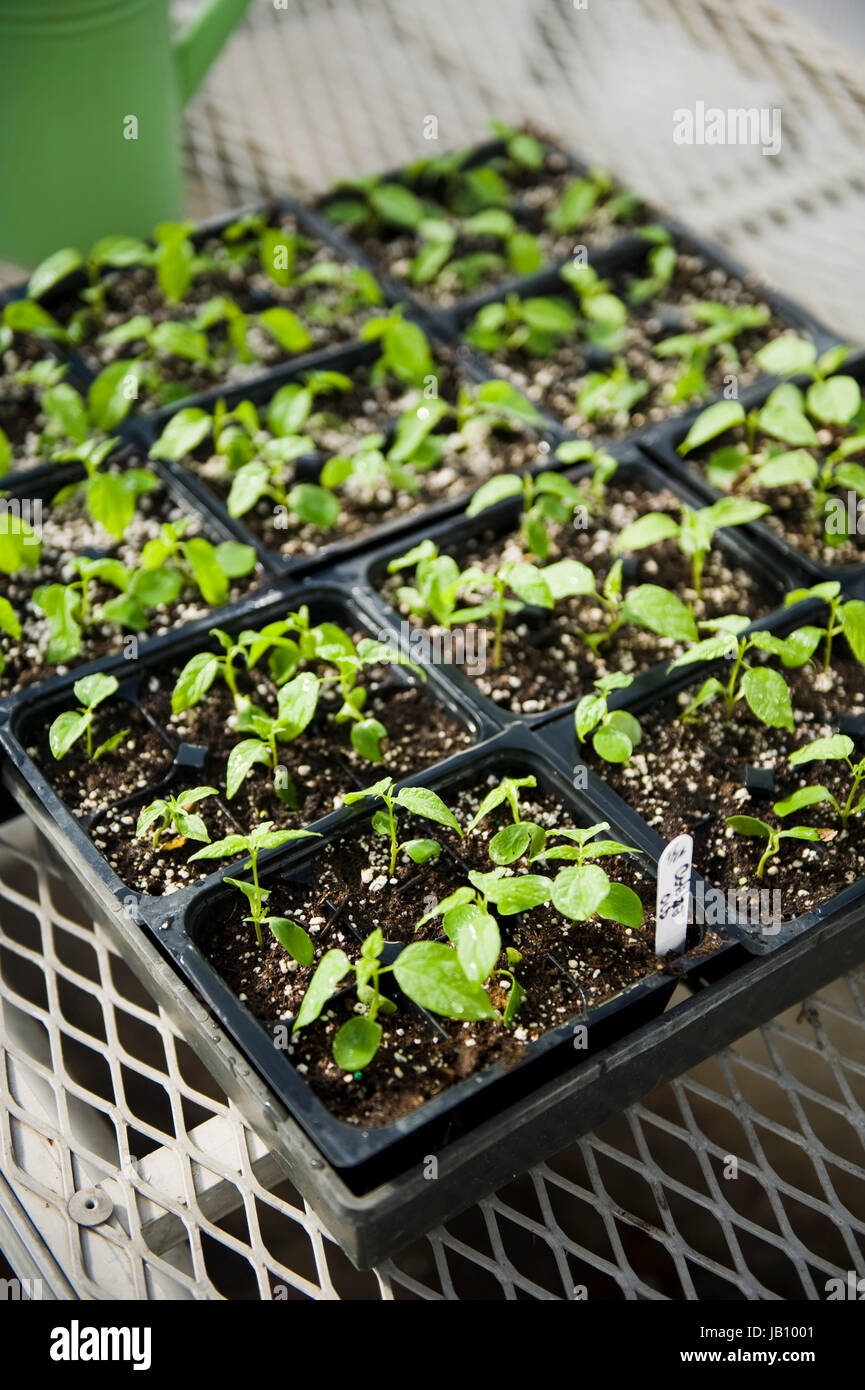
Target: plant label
{"points": [[674, 881]]}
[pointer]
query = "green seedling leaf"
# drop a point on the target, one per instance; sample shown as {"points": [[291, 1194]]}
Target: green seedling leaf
{"points": [[715, 420], [356, 1043], [578, 892], [768, 698], [333, 967], [431, 975], [293, 939]]}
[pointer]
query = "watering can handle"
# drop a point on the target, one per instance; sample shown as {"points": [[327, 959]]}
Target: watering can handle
{"points": [[202, 39]]}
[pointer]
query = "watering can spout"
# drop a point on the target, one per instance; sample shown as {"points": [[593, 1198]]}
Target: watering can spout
{"points": [[200, 43]]}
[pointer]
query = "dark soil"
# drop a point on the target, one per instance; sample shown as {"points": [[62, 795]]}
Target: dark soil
{"points": [[544, 661], [346, 892], [21, 418], [687, 778], [792, 514], [67, 532], [553, 381]]}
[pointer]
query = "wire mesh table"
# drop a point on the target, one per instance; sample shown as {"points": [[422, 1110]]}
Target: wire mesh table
{"points": [[125, 1172]]}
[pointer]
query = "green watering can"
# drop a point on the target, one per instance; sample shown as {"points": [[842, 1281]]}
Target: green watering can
{"points": [[91, 93]]}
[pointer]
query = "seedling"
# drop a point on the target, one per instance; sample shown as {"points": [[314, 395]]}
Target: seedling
{"points": [[418, 801], [202, 565], [764, 690], [475, 934], [750, 825], [549, 498], [846, 618], [290, 936], [788, 423], [405, 350], [174, 814], [661, 262], [605, 395], [694, 533], [723, 325], [603, 316], [67, 728], [428, 972], [534, 325], [580, 198], [109, 497], [837, 748], [615, 733], [296, 706]]}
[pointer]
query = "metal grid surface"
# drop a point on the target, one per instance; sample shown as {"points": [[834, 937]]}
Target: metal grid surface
{"points": [[95, 1085], [96, 1088]]}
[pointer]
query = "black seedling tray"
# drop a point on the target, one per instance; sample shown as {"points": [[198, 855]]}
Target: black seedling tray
{"points": [[25, 713], [365, 575], [30, 489], [628, 254], [368, 1156], [560, 736], [662, 443], [400, 290], [309, 223], [308, 468]]}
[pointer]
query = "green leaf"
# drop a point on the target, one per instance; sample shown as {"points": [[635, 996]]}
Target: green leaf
{"points": [[510, 842], [806, 796], [650, 606], [396, 206], [206, 571], [835, 401], [612, 744], [366, 737], [297, 701], [421, 851], [768, 697], [478, 942], [90, 691], [109, 745], [784, 420], [528, 583], [420, 801], [194, 681], [286, 328], [314, 505], [332, 968], [650, 529], [180, 340], [823, 750], [568, 578], [61, 606], [113, 393], [63, 405], [715, 420], [853, 627], [9, 622], [242, 758], [494, 491], [510, 895], [554, 316], [183, 434], [53, 270], [356, 1043], [749, 825], [622, 904], [406, 352], [578, 892], [67, 727], [111, 502], [431, 975], [786, 356], [293, 939], [784, 470]]}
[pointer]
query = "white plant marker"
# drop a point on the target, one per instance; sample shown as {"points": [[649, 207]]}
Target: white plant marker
{"points": [[674, 883]]}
